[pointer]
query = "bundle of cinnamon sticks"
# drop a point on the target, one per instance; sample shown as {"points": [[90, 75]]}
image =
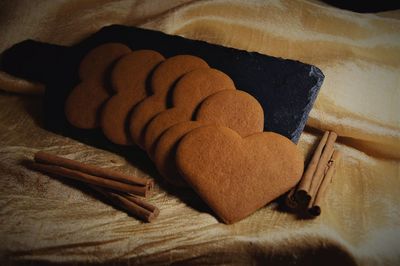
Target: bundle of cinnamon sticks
{"points": [[311, 189], [124, 191]]}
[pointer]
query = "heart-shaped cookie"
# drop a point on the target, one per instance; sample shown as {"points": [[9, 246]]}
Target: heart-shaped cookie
{"points": [[187, 94], [128, 80], [162, 80], [235, 109], [164, 154], [236, 176], [82, 107]]}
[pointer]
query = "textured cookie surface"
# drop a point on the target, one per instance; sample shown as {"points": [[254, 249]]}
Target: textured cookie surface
{"points": [[187, 94], [236, 176], [164, 154], [128, 80], [82, 106], [237, 110], [163, 78]]}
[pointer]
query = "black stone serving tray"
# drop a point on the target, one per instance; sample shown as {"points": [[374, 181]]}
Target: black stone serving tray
{"points": [[285, 88]]}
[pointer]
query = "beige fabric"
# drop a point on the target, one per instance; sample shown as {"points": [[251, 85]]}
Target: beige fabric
{"points": [[46, 219]]}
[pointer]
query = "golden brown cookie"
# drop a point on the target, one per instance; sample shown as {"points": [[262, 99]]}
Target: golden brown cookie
{"points": [[82, 107], [164, 154], [128, 80], [238, 110], [187, 94], [236, 176], [163, 79]]}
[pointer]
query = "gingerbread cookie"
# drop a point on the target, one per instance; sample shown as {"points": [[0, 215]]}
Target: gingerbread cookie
{"points": [[188, 92], [128, 80], [236, 176], [164, 153], [82, 107], [163, 79], [238, 110]]}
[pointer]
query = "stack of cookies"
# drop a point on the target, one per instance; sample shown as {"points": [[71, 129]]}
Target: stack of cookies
{"points": [[197, 127]]}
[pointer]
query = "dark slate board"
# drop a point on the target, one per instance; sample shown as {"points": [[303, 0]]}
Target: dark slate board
{"points": [[286, 89]]}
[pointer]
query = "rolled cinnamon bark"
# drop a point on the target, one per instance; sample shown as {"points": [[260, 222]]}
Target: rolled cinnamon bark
{"points": [[322, 164], [290, 201], [302, 194], [314, 207], [143, 204], [131, 204], [47, 158], [315, 169], [91, 179]]}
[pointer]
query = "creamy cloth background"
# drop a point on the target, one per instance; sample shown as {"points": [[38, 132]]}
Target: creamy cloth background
{"points": [[44, 219]]}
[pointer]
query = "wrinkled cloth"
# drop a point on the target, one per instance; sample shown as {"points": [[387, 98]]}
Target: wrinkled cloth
{"points": [[45, 219]]}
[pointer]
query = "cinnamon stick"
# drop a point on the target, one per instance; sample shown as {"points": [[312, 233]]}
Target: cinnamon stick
{"points": [[304, 186], [322, 164], [47, 158], [290, 201], [92, 179], [314, 207], [131, 204], [143, 204], [315, 169]]}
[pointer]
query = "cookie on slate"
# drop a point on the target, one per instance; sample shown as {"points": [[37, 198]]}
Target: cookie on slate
{"points": [[187, 94], [82, 107], [164, 153], [236, 176], [237, 110], [162, 80], [128, 80]]}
